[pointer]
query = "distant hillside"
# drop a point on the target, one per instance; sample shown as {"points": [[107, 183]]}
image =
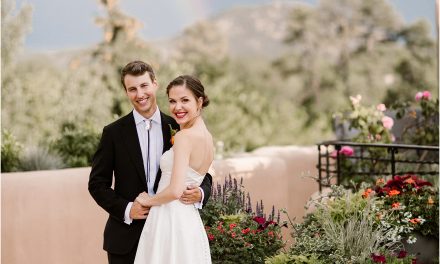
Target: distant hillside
{"points": [[251, 31]]}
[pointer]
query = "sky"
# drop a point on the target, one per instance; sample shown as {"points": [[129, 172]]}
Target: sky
{"points": [[67, 24]]}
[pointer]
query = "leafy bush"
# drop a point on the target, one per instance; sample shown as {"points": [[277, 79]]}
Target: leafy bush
{"points": [[76, 145], [408, 199], [228, 199], [344, 228], [235, 233], [11, 151], [39, 158], [424, 129], [244, 240]]}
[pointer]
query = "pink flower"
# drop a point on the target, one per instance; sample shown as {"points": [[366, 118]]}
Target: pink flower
{"points": [[426, 95], [387, 122], [381, 107], [345, 151], [393, 138], [355, 100]]}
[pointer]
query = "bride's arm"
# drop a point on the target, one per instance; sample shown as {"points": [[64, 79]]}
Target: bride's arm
{"points": [[182, 151]]}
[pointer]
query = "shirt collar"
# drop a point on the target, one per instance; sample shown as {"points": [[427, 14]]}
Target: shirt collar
{"points": [[138, 118]]}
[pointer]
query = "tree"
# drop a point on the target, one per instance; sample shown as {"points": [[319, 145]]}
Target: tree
{"points": [[120, 46], [346, 47]]}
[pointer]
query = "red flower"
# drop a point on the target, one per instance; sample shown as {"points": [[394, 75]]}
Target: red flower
{"points": [[220, 227], [233, 234], [378, 258], [393, 192], [245, 231], [402, 254], [231, 226], [270, 233], [415, 220], [366, 193], [260, 220], [395, 205], [211, 237]]}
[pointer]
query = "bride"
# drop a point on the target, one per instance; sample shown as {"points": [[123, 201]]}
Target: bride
{"points": [[173, 231]]}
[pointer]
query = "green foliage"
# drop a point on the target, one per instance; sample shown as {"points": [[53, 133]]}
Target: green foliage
{"points": [[229, 200], [76, 145], [254, 102], [235, 234], [343, 229], [40, 158], [244, 241], [411, 200], [11, 151], [327, 64], [371, 126], [284, 258], [423, 128]]}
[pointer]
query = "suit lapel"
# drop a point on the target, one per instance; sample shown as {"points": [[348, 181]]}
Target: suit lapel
{"points": [[130, 136], [166, 133]]}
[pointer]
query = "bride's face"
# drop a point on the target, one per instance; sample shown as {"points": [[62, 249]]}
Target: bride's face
{"points": [[184, 106]]}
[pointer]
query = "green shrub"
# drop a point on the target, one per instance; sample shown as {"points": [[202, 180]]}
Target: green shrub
{"points": [[235, 233], [40, 158], [76, 145], [344, 228], [11, 151]]}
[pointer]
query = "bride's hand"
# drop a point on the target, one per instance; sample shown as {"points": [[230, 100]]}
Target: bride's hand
{"points": [[143, 199]]}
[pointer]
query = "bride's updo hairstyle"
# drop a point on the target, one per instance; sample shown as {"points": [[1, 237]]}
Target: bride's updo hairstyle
{"points": [[191, 83]]}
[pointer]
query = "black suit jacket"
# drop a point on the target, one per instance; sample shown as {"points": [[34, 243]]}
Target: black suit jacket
{"points": [[119, 155]]}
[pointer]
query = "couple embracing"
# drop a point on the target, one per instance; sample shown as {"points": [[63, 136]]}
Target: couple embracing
{"points": [[158, 187]]}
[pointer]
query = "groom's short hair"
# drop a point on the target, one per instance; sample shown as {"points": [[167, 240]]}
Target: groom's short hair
{"points": [[136, 68]]}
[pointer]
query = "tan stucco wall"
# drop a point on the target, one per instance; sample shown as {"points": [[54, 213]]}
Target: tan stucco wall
{"points": [[49, 216]]}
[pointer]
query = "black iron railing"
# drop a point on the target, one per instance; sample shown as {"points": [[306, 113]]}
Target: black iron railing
{"points": [[367, 160]]}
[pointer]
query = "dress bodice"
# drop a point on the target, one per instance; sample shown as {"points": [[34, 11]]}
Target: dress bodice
{"points": [[192, 177]]}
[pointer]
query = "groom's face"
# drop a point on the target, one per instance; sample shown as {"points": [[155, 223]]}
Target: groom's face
{"points": [[141, 90]]}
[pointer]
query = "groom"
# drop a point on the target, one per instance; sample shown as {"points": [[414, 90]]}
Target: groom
{"points": [[130, 150]]}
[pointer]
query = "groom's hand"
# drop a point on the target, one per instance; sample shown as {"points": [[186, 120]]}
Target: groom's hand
{"points": [[191, 195], [139, 211]]}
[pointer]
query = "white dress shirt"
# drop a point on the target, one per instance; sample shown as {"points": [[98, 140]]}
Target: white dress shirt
{"points": [[156, 149]]}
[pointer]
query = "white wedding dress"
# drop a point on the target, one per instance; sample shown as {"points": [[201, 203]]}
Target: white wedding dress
{"points": [[173, 232]]}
